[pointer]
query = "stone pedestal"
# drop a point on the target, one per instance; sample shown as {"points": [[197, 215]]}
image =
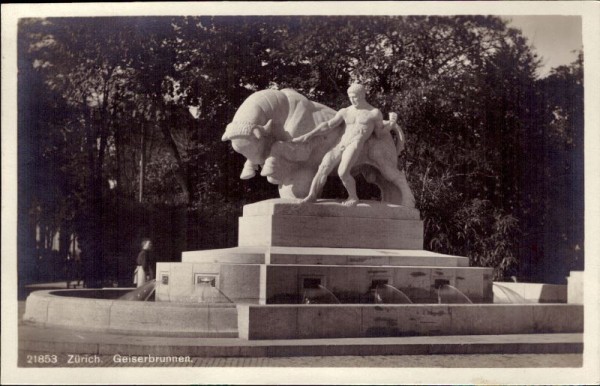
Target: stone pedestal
{"points": [[286, 248], [575, 287], [328, 224]]}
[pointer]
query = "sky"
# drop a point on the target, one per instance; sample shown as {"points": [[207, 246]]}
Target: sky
{"points": [[553, 37]]}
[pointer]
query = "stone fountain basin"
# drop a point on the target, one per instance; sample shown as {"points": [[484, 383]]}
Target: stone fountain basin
{"points": [[277, 321], [100, 310]]}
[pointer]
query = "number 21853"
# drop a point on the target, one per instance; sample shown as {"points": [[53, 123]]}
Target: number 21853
{"points": [[42, 358]]}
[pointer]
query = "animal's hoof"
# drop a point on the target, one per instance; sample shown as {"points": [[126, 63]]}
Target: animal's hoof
{"points": [[308, 199], [247, 173]]}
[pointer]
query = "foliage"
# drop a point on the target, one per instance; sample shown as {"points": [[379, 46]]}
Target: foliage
{"points": [[485, 137]]}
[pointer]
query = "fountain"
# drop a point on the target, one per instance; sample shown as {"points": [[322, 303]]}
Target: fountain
{"points": [[143, 293], [386, 294], [292, 257], [205, 292], [319, 295], [507, 295], [450, 294]]}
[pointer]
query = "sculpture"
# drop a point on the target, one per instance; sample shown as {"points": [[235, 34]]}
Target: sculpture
{"points": [[283, 132], [361, 121]]}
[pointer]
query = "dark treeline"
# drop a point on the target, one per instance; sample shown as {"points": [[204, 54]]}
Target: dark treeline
{"points": [[120, 122]]}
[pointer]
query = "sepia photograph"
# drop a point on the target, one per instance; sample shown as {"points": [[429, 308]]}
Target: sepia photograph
{"points": [[300, 193]]}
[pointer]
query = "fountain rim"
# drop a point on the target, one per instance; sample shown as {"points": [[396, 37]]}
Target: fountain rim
{"points": [[51, 294]]}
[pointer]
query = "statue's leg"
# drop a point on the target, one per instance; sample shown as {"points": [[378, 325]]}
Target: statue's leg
{"points": [[398, 178], [249, 170], [330, 161], [349, 158]]}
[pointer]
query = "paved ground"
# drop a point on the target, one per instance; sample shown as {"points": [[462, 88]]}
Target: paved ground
{"points": [[27, 359]]}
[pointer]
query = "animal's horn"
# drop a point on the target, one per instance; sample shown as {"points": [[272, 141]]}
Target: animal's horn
{"points": [[268, 126]]}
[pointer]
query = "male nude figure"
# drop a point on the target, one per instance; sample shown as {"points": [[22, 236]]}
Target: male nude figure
{"points": [[361, 120]]}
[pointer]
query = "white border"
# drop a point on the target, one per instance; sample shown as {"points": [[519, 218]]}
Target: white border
{"points": [[590, 373]]}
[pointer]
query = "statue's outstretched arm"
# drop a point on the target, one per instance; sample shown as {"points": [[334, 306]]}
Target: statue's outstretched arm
{"points": [[322, 128]]}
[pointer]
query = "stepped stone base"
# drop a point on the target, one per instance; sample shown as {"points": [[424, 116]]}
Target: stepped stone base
{"points": [[285, 247]]}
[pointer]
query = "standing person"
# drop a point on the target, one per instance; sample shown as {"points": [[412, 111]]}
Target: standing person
{"points": [[361, 120], [143, 271]]}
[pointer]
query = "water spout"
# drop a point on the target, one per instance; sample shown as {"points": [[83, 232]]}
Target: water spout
{"points": [[206, 293], [450, 294], [387, 294], [142, 293], [510, 296], [319, 295]]}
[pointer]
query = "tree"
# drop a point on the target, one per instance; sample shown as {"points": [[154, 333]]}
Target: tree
{"points": [[112, 99], [553, 194], [454, 82]]}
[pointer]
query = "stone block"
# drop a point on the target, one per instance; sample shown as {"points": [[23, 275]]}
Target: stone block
{"points": [[79, 312], [255, 231], [309, 259], [208, 268], [416, 283], [470, 281], [409, 320], [382, 321], [36, 307], [281, 284], [267, 322], [240, 282], [351, 283], [161, 293], [488, 285], [443, 275], [361, 320], [328, 321], [531, 292], [222, 318], [181, 282], [237, 255], [558, 318], [173, 317], [553, 293], [243, 321], [330, 208], [497, 319], [575, 287], [323, 256], [368, 260], [352, 279], [333, 232]]}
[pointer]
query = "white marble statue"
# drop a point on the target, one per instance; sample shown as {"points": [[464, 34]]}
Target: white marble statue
{"points": [[298, 143], [361, 121]]}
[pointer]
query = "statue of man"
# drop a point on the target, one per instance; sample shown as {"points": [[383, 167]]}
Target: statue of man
{"points": [[362, 120]]}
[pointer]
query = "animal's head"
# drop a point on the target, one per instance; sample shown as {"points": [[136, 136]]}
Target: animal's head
{"points": [[249, 139]]}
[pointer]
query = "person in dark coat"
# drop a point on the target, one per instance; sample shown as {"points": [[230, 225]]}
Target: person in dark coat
{"points": [[143, 271]]}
